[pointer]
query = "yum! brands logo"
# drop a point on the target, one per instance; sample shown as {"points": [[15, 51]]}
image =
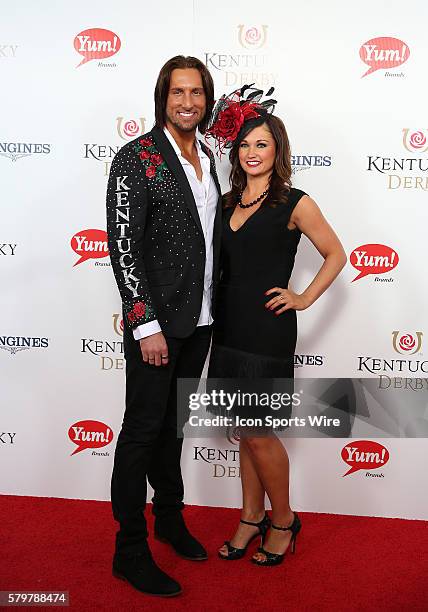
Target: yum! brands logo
{"points": [[373, 259], [90, 434], [382, 53], [90, 244], [97, 43], [407, 344], [365, 455]]}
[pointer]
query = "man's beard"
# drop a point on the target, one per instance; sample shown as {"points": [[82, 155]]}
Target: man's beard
{"points": [[188, 127]]}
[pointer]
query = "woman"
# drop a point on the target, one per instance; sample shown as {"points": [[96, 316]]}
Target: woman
{"points": [[255, 327]]}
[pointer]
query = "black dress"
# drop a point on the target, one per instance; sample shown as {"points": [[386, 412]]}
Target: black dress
{"points": [[249, 340]]}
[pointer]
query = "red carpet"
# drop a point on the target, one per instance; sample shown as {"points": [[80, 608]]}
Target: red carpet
{"points": [[341, 562]]}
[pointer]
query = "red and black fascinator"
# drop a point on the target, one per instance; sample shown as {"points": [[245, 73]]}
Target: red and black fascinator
{"points": [[231, 111]]}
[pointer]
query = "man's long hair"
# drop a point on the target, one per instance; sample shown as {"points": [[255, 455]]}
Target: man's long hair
{"points": [[280, 180], [163, 82]]}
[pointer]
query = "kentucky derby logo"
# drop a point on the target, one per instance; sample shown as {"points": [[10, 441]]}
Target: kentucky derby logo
{"points": [[415, 141], [406, 344], [118, 324], [252, 37], [130, 128]]}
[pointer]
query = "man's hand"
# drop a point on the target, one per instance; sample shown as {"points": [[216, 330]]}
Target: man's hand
{"points": [[155, 349]]}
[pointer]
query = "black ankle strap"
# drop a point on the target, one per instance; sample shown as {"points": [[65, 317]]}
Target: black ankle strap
{"points": [[254, 524], [280, 528]]}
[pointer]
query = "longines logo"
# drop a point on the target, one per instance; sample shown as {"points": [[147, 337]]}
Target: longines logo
{"points": [[7, 248], [252, 37], [7, 437], [8, 51], [15, 344], [405, 344], [308, 360], [305, 162], [224, 463], [131, 128], [241, 68], [16, 150], [405, 172]]}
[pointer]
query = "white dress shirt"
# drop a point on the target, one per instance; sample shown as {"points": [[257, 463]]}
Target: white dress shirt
{"points": [[206, 196]]}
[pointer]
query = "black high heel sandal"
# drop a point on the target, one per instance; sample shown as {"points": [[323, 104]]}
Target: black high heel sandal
{"points": [[234, 553], [276, 558]]}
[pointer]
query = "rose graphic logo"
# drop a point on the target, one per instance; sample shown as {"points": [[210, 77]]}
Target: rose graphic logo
{"points": [[232, 435], [252, 37], [383, 52], [415, 141], [118, 324], [406, 343], [130, 128]]}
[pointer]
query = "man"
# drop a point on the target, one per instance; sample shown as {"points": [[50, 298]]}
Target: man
{"points": [[163, 221]]}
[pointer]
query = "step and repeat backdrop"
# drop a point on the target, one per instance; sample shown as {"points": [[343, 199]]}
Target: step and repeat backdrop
{"points": [[77, 84]]}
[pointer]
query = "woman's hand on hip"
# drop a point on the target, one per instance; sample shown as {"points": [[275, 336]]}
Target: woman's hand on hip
{"points": [[284, 299]]}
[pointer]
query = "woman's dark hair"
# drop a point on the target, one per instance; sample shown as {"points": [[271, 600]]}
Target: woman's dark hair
{"points": [[162, 88], [280, 180]]}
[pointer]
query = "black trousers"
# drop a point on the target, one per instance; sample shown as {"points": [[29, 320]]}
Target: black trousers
{"points": [[148, 447]]}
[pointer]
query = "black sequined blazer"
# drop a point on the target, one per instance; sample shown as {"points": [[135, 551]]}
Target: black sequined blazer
{"points": [[156, 243]]}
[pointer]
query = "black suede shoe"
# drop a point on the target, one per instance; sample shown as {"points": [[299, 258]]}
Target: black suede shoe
{"points": [[143, 574], [173, 530]]}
